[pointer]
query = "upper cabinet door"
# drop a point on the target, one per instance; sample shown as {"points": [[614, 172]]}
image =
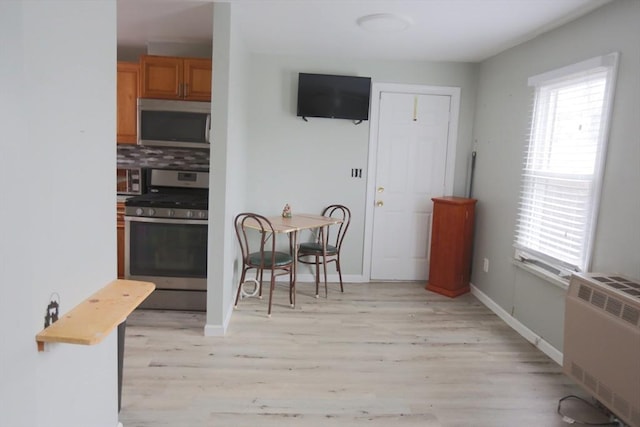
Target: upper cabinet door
{"points": [[127, 97], [161, 77], [197, 79], [167, 77]]}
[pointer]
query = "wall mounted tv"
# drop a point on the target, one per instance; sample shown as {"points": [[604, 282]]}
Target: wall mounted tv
{"points": [[333, 96]]}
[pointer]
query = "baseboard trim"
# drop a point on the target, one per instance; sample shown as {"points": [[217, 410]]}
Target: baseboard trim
{"points": [[516, 325], [214, 330], [219, 330]]}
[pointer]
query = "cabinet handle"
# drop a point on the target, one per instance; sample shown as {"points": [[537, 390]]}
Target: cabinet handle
{"points": [[379, 203], [186, 90]]}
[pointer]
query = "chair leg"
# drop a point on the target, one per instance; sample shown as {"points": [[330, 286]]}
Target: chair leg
{"points": [[317, 275], [273, 282], [292, 290], [339, 272], [259, 280], [244, 272], [326, 289]]}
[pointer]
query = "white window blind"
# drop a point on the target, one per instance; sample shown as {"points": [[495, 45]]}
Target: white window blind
{"points": [[563, 164]]}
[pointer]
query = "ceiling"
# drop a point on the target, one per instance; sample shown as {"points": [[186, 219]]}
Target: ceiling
{"points": [[439, 30]]}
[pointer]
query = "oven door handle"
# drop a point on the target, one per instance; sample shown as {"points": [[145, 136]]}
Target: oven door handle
{"points": [[165, 220]]}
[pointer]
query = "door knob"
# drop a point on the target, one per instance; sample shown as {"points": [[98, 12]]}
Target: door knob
{"points": [[379, 203], [380, 189]]}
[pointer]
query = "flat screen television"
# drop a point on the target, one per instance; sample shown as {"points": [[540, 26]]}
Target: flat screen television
{"points": [[333, 96]]}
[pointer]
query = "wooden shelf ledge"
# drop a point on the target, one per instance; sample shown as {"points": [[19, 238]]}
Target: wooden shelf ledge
{"points": [[93, 319]]}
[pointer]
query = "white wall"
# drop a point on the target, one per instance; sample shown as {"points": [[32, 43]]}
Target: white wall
{"points": [[228, 164], [263, 156], [501, 129], [57, 213], [193, 50], [308, 164], [186, 49]]}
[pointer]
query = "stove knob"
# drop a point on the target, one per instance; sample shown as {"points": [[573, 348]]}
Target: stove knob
{"points": [[139, 211], [171, 212], [202, 214], [152, 212], [189, 214]]}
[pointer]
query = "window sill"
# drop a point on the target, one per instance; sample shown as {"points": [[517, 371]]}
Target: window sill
{"points": [[542, 274]]}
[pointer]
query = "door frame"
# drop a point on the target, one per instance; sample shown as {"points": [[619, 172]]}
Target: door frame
{"points": [[376, 93]]}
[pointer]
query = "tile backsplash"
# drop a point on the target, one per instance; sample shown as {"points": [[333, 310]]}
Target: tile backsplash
{"points": [[165, 158]]}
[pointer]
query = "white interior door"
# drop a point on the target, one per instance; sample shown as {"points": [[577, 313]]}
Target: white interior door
{"points": [[410, 169]]}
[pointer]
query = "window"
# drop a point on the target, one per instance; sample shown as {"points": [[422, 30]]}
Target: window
{"points": [[563, 165]]}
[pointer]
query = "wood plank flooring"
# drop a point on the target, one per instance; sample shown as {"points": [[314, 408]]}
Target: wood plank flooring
{"points": [[381, 354]]}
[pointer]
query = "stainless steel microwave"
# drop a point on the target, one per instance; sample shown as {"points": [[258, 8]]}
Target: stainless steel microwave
{"points": [[168, 123]]}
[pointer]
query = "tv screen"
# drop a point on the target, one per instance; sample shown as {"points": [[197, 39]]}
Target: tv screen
{"points": [[332, 96]]}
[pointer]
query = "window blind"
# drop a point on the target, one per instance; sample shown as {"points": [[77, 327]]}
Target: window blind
{"points": [[563, 165]]}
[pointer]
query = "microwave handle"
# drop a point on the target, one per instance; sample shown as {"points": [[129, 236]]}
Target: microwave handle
{"points": [[208, 128]]}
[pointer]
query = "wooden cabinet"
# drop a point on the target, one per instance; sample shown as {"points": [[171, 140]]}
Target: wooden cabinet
{"points": [[127, 98], [120, 234], [197, 79], [451, 245], [168, 77]]}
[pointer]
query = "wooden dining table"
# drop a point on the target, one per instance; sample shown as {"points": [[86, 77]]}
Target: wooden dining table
{"points": [[298, 222]]}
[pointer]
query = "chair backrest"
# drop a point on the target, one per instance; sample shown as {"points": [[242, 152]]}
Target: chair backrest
{"points": [[253, 231], [339, 231]]}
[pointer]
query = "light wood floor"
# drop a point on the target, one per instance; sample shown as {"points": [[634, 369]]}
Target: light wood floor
{"points": [[381, 354]]}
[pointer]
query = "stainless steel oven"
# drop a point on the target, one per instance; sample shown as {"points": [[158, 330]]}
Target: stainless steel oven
{"points": [[166, 239]]}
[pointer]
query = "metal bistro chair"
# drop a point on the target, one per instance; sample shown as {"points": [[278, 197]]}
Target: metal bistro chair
{"points": [[311, 252], [254, 232]]}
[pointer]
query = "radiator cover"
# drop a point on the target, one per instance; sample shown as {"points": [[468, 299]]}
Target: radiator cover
{"points": [[602, 341]]}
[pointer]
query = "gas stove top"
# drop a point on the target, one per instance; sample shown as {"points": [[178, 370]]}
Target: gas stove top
{"points": [[184, 200], [172, 194]]}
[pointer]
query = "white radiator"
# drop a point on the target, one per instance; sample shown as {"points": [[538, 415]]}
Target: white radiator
{"points": [[602, 341]]}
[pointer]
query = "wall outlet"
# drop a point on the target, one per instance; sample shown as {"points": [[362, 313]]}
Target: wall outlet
{"points": [[485, 265]]}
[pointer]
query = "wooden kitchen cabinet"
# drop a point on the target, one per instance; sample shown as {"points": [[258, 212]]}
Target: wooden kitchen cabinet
{"points": [[168, 77], [127, 98], [120, 234], [451, 245]]}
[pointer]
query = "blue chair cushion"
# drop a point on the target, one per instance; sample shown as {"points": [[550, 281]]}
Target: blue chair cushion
{"points": [[315, 248], [282, 259]]}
